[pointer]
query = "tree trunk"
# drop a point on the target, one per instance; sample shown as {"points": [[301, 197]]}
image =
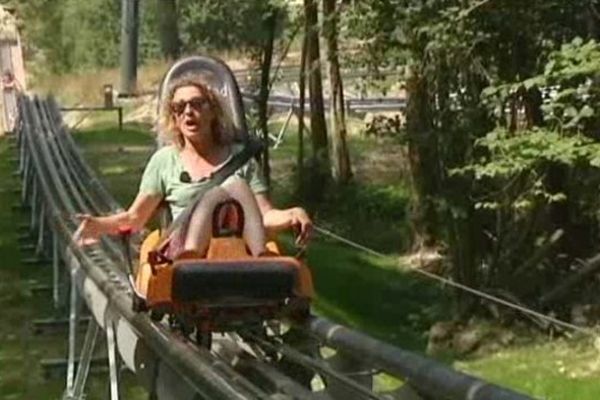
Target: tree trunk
{"points": [[168, 31], [592, 15], [301, 100], [318, 170], [315, 85], [130, 20], [263, 94], [338, 150], [423, 159]]}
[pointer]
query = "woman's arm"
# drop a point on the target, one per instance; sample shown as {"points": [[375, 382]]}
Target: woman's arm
{"points": [[138, 214], [276, 220]]}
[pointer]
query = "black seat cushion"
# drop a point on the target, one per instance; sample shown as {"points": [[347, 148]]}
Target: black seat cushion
{"points": [[209, 280]]}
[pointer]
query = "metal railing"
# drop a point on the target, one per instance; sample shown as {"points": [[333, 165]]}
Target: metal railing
{"points": [[146, 348]]}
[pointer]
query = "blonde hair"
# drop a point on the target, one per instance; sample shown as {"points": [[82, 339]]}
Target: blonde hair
{"points": [[222, 128]]}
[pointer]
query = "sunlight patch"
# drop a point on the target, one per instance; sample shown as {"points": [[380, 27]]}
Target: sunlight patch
{"points": [[114, 170]]}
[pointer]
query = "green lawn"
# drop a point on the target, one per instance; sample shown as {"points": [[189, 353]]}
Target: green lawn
{"points": [[20, 350], [554, 370], [21, 374]]}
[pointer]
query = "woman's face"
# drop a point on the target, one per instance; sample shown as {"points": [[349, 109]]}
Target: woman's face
{"points": [[192, 112]]}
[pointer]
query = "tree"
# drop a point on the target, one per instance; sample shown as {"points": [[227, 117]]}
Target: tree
{"points": [[168, 28], [338, 150], [225, 25], [317, 110], [266, 59], [454, 51], [301, 104]]}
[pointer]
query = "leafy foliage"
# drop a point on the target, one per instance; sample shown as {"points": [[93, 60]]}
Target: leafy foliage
{"points": [[67, 35], [227, 25], [509, 154], [537, 173], [502, 130]]}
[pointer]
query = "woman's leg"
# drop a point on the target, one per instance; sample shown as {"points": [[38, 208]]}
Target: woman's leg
{"points": [[254, 231], [197, 232]]}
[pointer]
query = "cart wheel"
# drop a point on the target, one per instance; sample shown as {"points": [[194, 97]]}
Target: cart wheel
{"points": [[204, 339], [157, 315], [299, 309]]}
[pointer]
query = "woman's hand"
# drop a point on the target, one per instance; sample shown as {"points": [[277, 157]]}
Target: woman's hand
{"points": [[302, 225], [276, 220], [89, 230]]}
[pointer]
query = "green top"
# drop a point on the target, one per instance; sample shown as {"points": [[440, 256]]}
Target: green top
{"points": [[162, 176]]}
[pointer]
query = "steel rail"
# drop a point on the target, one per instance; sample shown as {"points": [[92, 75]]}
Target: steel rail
{"points": [[68, 162], [77, 158], [67, 183], [196, 368], [317, 365], [62, 179], [354, 105], [274, 376], [286, 384], [98, 198], [427, 377]]}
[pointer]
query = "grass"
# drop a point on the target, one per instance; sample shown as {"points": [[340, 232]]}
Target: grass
{"points": [[554, 370], [88, 87], [21, 374], [20, 350], [378, 198], [374, 295], [378, 296], [118, 156]]}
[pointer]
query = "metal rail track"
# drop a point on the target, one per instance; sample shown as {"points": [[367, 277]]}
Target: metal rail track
{"points": [[103, 285], [285, 102], [289, 73], [376, 104]]}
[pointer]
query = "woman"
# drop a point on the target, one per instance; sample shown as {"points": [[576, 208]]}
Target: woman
{"points": [[181, 173]]}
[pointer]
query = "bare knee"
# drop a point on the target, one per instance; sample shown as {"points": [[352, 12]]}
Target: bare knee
{"points": [[212, 197], [237, 188], [199, 224]]}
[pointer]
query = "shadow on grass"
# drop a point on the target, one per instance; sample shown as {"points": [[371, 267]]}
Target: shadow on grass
{"points": [[374, 295], [21, 374], [109, 134]]}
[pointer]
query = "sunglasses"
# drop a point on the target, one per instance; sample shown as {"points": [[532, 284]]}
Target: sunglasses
{"points": [[195, 103]]}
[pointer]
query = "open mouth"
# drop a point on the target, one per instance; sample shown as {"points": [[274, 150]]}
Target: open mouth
{"points": [[190, 124]]}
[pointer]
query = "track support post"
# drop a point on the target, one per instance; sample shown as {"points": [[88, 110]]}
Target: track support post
{"points": [[113, 360]]}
